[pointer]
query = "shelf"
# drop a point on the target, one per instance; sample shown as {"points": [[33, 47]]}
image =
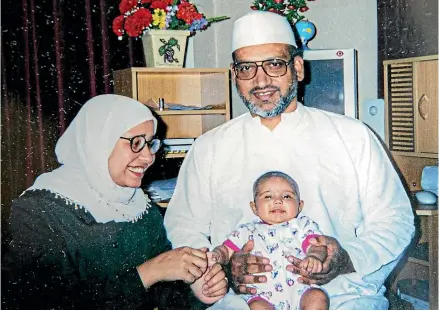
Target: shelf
{"points": [[162, 204], [167, 112], [175, 155], [416, 154], [427, 212]]}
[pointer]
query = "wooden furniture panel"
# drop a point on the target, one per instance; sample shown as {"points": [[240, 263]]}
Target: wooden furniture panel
{"points": [[183, 126], [184, 89], [411, 169], [432, 229], [426, 102], [418, 269]]}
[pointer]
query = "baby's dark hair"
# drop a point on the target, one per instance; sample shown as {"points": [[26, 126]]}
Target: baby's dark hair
{"points": [[282, 175]]}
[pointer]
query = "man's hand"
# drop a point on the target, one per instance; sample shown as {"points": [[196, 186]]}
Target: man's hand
{"points": [[243, 265], [337, 262]]}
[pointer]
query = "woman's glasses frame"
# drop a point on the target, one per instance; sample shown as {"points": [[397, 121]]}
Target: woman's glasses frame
{"points": [[153, 144]]}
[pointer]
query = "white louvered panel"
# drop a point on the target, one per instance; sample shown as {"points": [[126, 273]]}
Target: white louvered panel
{"points": [[401, 125]]}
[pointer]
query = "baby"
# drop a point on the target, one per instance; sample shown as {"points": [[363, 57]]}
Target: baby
{"points": [[279, 233]]}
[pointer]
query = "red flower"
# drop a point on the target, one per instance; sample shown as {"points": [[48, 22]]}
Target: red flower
{"points": [[146, 1], [159, 4], [127, 5], [188, 12], [278, 1], [136, 23], [118, 25], [304, 9]]}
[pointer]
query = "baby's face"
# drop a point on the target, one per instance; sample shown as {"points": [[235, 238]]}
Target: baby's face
{"points": [[276, 201]]}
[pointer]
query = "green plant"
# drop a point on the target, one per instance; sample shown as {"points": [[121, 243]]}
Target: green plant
{"points": [[291, 9]]}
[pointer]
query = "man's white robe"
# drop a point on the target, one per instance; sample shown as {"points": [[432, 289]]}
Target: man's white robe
{"points": [[347, 182]]}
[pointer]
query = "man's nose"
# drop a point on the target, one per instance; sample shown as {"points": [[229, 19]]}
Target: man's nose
{"points": [[261, 79]]}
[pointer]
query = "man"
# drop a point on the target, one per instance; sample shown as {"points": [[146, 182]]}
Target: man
{"points": [[350, 186]]}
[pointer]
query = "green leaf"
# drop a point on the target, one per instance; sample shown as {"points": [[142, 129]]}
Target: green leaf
{"points": [[173, 41], [162, 50]]}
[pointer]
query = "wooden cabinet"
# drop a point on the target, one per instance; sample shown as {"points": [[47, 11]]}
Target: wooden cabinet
{"points": [[185, 86], [411, 127], [411, 120]]}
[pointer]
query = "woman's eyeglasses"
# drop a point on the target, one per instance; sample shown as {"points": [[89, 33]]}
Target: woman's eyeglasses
{"points": [[137, 143]]}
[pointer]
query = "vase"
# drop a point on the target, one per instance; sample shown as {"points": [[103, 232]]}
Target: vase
{"points": [[165, 48], [306, 31]]}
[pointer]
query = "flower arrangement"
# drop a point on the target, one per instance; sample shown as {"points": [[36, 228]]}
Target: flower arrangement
{"points": [[140, 16], [291, 9]]}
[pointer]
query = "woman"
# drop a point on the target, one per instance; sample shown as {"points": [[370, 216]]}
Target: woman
{"points": [[85, 236]]}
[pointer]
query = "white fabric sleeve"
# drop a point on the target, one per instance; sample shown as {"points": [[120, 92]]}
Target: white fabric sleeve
{"points": [[387, 226], [239, 236], [188, 216], [307, 226]]}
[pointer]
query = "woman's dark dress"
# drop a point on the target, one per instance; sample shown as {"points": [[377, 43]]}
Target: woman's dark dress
{"points": [[59, 257]]}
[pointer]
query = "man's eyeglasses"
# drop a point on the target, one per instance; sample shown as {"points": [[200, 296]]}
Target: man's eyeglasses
{"points": [[137, 143], [272, 67]]}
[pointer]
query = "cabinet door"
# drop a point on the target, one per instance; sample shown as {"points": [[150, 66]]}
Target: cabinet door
{"points": [[426, 106]]}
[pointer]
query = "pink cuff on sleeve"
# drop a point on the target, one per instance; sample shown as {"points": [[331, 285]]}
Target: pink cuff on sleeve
{"points": [[231, 245], [305, 243]]}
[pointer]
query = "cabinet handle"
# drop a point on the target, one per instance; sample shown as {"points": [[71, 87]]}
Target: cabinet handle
{"points": [[422, 106]]}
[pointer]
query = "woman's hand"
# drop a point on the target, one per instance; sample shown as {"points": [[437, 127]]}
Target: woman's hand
{"points": [[243, 265], [212, 285], [184, 263], [337, 262]]}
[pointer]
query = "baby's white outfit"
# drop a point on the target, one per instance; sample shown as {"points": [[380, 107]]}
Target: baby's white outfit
{"points": [[277, 242]]}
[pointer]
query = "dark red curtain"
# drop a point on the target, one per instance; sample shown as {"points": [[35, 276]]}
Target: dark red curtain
{"points": [[56, 55]]}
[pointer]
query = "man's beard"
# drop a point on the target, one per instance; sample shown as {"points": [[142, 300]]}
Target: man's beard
{"points": [[279, 106]]}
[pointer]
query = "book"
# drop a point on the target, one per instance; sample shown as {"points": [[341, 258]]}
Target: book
{"points": [[178, 141], [169, 148]]}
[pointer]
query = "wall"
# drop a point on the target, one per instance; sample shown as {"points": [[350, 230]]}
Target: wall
{"points": [[339, 23], [407, 28]]}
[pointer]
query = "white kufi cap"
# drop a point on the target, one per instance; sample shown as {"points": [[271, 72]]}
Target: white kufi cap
{"points": [[261, 27]]}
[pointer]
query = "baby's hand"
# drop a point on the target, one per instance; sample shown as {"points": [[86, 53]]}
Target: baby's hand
{"points": [[212, 285], [213, 257], [311, 264]]}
